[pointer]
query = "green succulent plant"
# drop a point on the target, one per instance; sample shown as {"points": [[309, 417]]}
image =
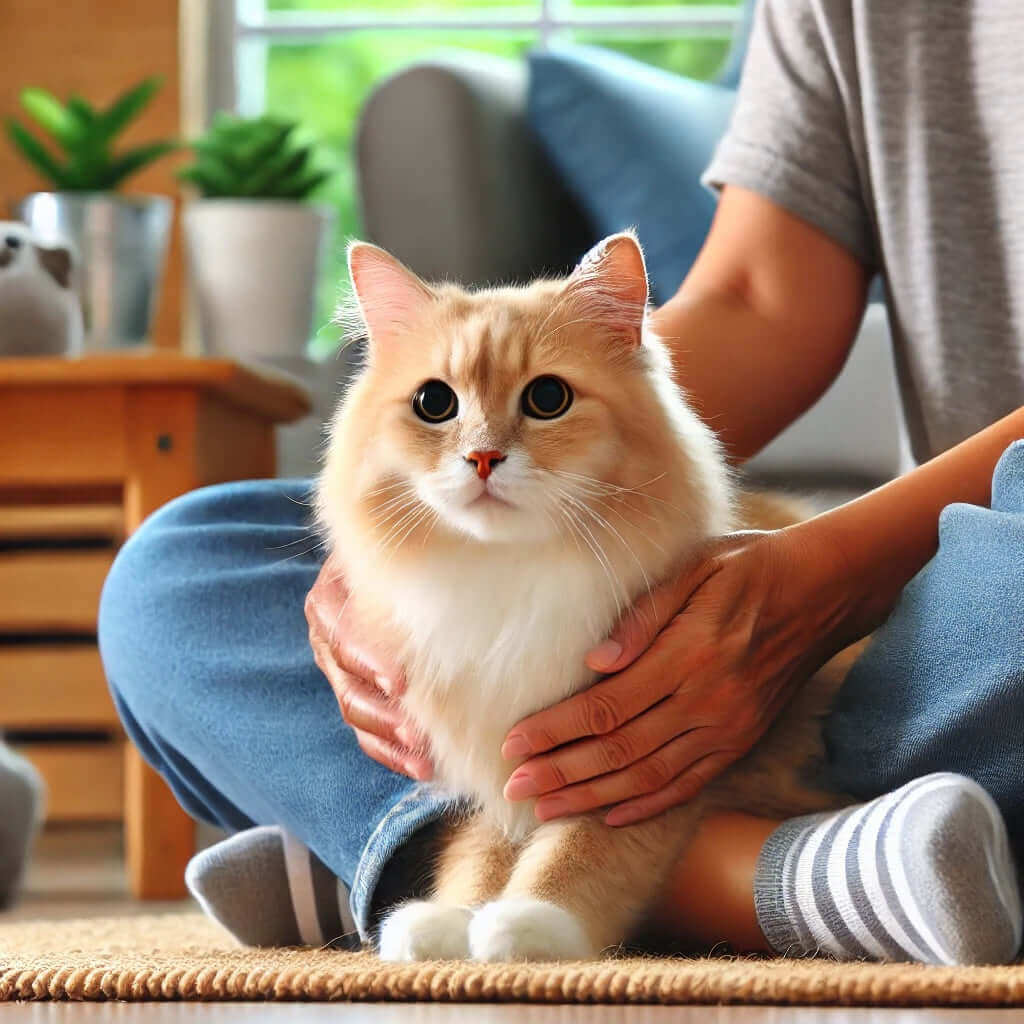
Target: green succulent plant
{"points": [[85, 137], [257, 158]]}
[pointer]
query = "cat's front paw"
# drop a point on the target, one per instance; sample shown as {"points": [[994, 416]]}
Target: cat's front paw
{"points": [[527, 929], [425, 931]]}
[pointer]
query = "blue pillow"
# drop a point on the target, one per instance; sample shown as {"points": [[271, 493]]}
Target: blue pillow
{"points": [[630, 143]]}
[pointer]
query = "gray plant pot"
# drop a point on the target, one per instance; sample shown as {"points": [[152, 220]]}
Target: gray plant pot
{"points": [[121, 248]]}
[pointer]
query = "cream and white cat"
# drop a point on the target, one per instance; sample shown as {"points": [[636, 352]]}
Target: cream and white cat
{"points": [[512, 470]]}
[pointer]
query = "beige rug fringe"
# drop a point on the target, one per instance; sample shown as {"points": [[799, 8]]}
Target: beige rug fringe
{"points": [[185, 957]]}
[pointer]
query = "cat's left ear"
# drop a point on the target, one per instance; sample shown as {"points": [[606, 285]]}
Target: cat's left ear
{"points": [[611, 281], [391, 297]]}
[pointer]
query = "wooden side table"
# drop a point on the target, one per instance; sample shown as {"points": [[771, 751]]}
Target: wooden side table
{"points": [[105, 432]]}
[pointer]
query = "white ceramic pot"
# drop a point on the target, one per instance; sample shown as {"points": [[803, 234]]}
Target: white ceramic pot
{"points": [[254, 266]]}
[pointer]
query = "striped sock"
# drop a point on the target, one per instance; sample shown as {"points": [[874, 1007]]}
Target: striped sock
{"points": [[268, 889], [923, 873]]}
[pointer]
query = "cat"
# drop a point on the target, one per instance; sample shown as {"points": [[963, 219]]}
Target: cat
{"points": [[511, 471]]}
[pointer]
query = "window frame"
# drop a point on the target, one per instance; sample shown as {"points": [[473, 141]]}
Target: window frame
{"points": [[239, 31]]}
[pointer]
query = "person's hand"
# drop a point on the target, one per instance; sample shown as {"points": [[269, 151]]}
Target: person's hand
{"points": [[700, 671], [364, 679]]}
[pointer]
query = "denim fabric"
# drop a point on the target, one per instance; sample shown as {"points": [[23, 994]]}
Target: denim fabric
{"points": [[941, 686], [204, 640]]}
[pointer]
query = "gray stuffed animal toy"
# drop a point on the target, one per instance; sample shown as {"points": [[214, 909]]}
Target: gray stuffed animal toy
{"points": [[39, 309]]}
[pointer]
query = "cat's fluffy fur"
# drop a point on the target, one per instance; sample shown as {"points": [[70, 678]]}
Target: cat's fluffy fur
{"points": [[491, 591]]}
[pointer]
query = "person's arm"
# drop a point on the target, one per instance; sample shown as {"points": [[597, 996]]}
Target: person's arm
{"points": [[697, 683], [763, 322]]}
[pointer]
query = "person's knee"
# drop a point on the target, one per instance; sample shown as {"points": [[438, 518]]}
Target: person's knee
{"points": [[137, 607], [1008, 480], [147, 609], [175, 585]]}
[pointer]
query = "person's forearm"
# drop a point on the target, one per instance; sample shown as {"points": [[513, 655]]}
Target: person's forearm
{"points": [[887, 536], [746, 375], [763, 322]]}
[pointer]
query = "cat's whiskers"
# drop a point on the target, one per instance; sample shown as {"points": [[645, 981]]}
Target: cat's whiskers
{"points": [[307, 536], [604, 485], [299, 554], [603, 523], [430, 528], [403, 529], [555, 522], [407, 492], [619, 592], [390, 486], [597, 490], [407, 512], [416, 521], [572, 522]]}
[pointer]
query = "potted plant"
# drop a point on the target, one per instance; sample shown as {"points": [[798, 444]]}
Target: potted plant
{"points": [[254, 241], [120, 241]]}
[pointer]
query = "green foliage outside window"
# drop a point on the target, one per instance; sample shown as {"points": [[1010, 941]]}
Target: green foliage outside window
{"points": [[324, 84]]}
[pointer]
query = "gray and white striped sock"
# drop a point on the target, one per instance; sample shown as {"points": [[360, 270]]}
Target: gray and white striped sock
{"points": [[923, 873], [268, 889]]}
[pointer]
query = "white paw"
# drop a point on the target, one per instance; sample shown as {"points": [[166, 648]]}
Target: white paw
{"points": [[525, 929], [425, 931]]}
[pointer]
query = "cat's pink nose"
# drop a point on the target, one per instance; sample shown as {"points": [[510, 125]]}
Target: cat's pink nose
{"points": [[485, 462]]}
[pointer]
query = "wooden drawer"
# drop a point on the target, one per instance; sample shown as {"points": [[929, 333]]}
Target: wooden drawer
{"points": [[55, 591], [61, 522], [58, 686], [84, 781]]}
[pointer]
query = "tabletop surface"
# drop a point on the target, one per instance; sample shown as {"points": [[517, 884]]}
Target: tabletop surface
{"points": [[266, 392]]}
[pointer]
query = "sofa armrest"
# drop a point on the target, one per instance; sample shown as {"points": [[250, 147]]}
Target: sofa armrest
{"points": [[452, 182]]}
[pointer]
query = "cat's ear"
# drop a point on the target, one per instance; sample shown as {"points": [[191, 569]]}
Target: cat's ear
{"points": [[390, 295], [611, 282]]}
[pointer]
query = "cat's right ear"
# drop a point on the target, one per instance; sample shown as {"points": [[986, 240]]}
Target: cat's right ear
{"points": [[390, 296]]}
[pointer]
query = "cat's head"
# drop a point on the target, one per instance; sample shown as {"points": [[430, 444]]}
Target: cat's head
{"points": [[509, 414]]}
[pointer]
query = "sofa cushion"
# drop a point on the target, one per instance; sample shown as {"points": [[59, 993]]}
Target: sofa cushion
{"points": [[630, 142]]}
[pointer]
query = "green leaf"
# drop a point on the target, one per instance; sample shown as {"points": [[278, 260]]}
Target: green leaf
{"points": [[135, 159], [258, 149], [81, 110], [35, 152], [279, 167], [51, 115], [215, 150], [301, 187], [128, 106], [210, 177]]}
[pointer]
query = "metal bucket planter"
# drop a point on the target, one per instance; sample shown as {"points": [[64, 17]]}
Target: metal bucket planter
{"points": [[254, 266], [121, 245]]}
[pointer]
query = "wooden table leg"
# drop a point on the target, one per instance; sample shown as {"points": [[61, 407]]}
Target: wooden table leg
{"points": [[176, 442], [159, 836], [161, 453]]}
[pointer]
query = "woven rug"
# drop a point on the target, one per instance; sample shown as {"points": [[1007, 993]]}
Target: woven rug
{"points": [[183, 956]]}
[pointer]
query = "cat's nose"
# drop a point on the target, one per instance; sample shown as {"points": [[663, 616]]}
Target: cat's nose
{"points": [[485, 461]]}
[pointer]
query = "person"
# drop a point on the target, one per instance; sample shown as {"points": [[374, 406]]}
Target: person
{"points": [[867, 139]]}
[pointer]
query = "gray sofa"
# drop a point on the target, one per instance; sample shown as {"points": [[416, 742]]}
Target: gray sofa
{"points": [[452, 182]]}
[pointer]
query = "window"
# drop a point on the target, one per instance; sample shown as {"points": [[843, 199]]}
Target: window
{"points": [[318, 60]]}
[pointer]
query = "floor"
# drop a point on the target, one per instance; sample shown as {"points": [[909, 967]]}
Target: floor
{"points": [[79, 872]]}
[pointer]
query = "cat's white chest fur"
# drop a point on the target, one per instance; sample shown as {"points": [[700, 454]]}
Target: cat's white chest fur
{"points": [[489, 639]]}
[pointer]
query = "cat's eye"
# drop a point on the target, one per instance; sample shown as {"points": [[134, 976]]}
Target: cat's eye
{"points": [[546, 398], [435, 402]]}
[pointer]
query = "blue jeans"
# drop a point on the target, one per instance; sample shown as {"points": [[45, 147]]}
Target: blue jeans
{"points": [[204, 641]]}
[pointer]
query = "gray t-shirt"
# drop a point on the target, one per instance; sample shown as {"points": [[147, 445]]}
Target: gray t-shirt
{"points": [[897, 128]]}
